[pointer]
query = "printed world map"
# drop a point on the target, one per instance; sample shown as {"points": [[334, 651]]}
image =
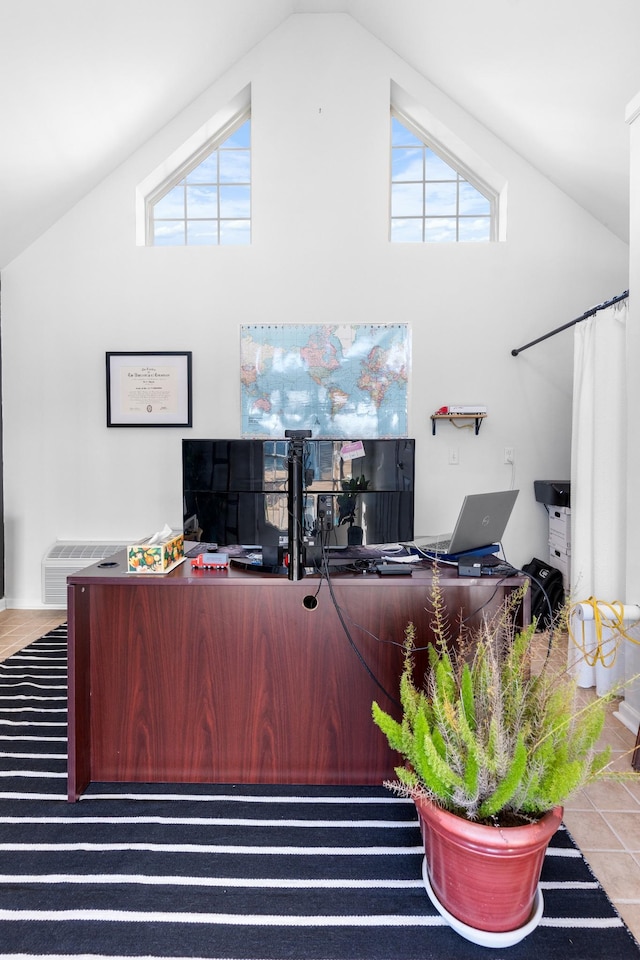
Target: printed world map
{"points": [[337, 380]]}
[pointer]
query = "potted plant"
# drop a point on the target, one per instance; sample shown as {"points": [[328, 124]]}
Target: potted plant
{"points": [[492, 748]]}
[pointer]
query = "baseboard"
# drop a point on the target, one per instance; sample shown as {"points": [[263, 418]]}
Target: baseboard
{"points": [[628, 716], [33, 604]]}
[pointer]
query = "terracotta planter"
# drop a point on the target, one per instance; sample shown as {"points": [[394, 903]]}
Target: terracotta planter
{"points": [[485, 876]]}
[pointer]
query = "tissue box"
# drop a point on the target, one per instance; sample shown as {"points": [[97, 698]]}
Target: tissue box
{"points": [[155, 557]]}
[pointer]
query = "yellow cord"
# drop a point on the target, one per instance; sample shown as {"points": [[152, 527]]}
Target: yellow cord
{"points": [[615, 622]]}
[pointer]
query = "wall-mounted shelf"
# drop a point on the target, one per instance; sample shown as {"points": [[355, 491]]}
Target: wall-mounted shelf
{"points": [[454, 417]]}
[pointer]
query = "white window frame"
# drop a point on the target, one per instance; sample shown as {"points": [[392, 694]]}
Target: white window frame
{"points": [[456, 153], [463, 172], [185, 158]]}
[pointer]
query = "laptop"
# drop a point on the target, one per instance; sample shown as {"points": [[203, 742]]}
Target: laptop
{"points": [[479, 528]]}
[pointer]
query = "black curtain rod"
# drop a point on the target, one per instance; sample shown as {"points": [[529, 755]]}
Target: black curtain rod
{"points": [[572, 323]]}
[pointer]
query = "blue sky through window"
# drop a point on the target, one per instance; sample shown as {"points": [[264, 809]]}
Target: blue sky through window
{"points": [[431, 202], [211, 204]]}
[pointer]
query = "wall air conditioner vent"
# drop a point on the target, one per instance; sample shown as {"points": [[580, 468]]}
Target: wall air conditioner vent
{"points": [[65, 557]]}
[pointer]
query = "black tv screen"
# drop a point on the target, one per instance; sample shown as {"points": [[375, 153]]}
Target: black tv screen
{"points": [[235, 491]]}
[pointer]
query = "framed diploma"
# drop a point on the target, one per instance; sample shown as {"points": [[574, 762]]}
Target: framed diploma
{"points": [[149, 389]]}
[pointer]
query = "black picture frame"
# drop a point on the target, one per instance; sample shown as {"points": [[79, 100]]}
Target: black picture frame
{"points": [[149, 388]]}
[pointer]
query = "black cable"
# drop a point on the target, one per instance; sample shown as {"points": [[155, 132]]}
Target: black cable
{"points": [[474, 613], [324, 570], [530, 576], [326, 573]]}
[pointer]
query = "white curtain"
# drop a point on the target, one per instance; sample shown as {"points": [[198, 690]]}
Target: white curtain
{"points": [[598, 474]]}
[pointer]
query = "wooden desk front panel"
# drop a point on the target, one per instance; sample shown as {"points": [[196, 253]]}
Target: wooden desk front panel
{"points": [[236, 680], [240, 685]]}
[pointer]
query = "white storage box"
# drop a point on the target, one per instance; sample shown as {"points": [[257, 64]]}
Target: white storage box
{"points": [[560, 526], [562, 563], [558, 544]]}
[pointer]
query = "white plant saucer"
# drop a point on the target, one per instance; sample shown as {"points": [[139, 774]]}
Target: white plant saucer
{"points": [[486, 938]]}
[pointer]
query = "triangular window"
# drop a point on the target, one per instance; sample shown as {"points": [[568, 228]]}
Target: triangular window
{"points": [[208, 200], [433, 199]]}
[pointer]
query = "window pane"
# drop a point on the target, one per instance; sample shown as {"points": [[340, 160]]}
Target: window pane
{"points": [[400, 136], [171, 205], [202, 202], [235, 232], [431, 200], [168, 233], [437, 169], [196, 202], [475, 228], [235, 166], [406, 200], [241, 138], [406, 231], [407, 164], [440, 230], [472, 201], [235, 201], [205, 172], [202, 232], [440, 198]]}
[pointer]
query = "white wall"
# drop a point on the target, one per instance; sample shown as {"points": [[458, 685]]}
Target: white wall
{"points": [[633, 382], [320, 95]]}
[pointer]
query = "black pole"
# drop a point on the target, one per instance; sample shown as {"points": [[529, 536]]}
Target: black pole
{"points": [[571, 323], [295, 498]]}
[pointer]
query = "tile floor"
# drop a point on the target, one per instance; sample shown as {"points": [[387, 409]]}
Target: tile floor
{"points": [[19, 627], [604, 818]]}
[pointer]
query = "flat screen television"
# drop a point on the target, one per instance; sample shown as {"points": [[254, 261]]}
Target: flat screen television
{"points": [[235, 491]]}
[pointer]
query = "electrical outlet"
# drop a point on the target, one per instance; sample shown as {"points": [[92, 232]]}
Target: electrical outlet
{"points": [[509, 455], [454, 456]]}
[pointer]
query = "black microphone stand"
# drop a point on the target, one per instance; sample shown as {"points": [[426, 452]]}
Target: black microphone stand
{"points": [[295, 498]]}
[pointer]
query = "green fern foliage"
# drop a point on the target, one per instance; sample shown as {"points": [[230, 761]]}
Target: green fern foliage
{"points": [[486, 736]]}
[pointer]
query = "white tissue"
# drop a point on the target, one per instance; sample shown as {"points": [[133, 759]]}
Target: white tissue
{"points": [[165, 534]]}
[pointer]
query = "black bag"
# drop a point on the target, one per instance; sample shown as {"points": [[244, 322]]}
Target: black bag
{"points": [[547, 592]]}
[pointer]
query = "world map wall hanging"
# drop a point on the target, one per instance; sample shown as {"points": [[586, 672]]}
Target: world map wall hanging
{"points": [[337, 380]]}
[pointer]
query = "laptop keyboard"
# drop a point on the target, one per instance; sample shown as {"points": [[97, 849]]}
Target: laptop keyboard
{"points": [[436, 546]]}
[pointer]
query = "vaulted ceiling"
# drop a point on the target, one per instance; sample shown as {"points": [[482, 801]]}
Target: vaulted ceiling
{"points": [[83, 83]]}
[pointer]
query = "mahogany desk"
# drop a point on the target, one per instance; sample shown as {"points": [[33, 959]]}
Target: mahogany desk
{"points": [[228, 677]]}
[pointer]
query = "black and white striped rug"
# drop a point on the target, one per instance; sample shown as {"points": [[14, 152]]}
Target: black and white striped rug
{"points": [[228, 871]]}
